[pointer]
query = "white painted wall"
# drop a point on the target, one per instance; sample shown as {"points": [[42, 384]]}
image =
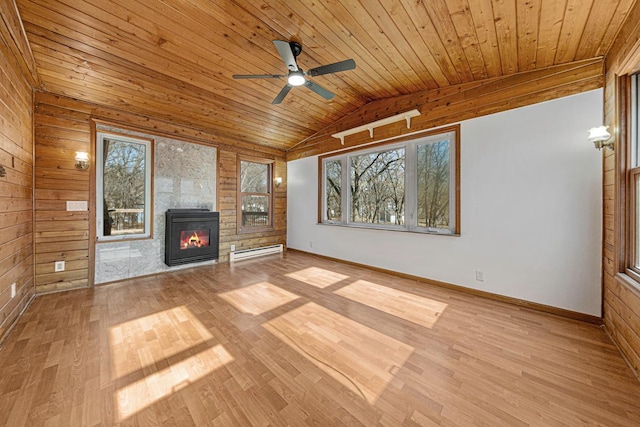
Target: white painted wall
{"points": [[531, 211]]}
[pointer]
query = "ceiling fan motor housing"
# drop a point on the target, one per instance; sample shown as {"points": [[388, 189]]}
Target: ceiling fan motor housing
{"points": [[296, 48]]}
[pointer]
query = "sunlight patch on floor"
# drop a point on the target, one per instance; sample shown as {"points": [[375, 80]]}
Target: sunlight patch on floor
{"points": [[141, 342], [140, 394], [360, 358], [413, 308], [318, 277], [258, 298]]}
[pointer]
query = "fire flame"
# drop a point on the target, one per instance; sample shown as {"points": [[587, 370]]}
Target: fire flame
{"points": [[193, 241]]}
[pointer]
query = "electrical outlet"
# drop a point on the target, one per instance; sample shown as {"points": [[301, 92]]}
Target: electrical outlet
{"points": [[480, 275], [58, 266], [233, 248], [13, 290]]}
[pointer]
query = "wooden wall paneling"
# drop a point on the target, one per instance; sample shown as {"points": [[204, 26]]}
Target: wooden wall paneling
{"points": [[93, 226], [441, 107], [500, 87], [16, 157], [134, 93], [227, 205], [153, 124], [63, 126], [227, 202], [49, 254], [58, 135], [621, 298], [620, 320], [280, 198], [14, 38]]}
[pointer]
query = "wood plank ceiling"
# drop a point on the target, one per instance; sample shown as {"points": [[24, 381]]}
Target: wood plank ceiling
{"points": [[174, 59]]}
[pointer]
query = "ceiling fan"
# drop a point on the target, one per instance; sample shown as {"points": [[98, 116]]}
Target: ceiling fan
{"points": [[289, 51]]}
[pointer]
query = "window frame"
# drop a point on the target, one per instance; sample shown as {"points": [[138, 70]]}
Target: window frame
{"points": [[410, 144], [270, 194], [629, 86], [148, 198]]}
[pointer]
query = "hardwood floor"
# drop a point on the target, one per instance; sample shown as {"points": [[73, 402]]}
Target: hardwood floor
{"points": [[299, 340]]}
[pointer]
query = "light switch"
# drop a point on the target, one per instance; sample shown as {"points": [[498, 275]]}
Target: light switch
{"points": [[77, 205]]}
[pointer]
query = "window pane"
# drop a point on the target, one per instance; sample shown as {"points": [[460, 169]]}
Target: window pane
{"points": [[377, 187], [433, 185], [636, 238], [124, 187], [254, 177], [635, 114], [333, 172], [255, 211]]}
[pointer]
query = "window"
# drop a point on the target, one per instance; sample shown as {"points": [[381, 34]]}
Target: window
{"points": [[633, 181], [123, 187], [255, 203], [411, 185]]}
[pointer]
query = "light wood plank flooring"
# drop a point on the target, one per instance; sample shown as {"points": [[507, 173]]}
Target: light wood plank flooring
{"points": [[299, 340]]}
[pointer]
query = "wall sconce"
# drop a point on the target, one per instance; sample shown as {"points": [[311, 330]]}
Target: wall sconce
{"points": [[82, 160], [278, 181], [599, 136]]}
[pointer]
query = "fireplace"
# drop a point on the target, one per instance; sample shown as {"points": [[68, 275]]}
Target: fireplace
{"points": [[191, 235]]}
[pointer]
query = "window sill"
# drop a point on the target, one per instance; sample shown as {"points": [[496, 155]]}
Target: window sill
{"points": [[398, 230], [123, 239]]}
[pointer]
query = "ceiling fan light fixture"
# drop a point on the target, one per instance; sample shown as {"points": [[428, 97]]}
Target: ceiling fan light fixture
{"points": [[296, 78]]}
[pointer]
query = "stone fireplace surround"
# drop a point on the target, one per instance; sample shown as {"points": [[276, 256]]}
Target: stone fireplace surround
{"points": [[184, 176]]}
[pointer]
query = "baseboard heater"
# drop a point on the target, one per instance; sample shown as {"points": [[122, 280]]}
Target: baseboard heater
{"points": [[256, 252]]}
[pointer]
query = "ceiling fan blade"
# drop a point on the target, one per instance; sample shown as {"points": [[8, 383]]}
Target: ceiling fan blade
{"points": [[345, 65], [285, 90], [319, 90], [284, 49], [257, 76]]}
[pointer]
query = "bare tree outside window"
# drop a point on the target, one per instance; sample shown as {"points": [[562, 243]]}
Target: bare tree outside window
{"points": [[410, 185], [124, 187], [333, 173], [255, 194], [433, 185], [377, 187], [253, 177]]}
